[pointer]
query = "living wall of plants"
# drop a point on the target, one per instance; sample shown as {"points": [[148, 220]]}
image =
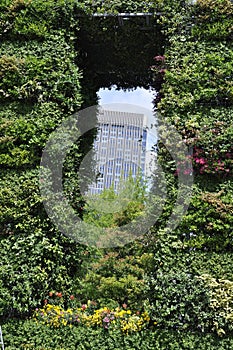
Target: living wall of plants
{"points": [[40, 87], [51, 65], [196, 97], [42, 337]]}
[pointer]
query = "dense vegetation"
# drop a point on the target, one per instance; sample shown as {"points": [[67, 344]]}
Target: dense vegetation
{"points": [[51, 67]]}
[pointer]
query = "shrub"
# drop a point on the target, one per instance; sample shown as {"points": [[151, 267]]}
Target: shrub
{"points": [[221, 301], [27, 334], [117, 279], [179, 302]]}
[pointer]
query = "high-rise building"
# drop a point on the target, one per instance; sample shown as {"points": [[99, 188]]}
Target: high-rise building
{"points": [[120, 148]]}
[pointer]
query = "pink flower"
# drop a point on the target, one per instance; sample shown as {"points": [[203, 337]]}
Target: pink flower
{"points": [[162, 71], [159, 58], [83, 307], [187, 171], [220, 163], [200, 160]]}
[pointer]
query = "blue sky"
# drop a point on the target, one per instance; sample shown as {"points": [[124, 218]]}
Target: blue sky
{"points": [[139, 97]]}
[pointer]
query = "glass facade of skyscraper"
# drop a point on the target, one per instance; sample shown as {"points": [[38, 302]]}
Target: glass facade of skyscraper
{"points": [[120, 148]]}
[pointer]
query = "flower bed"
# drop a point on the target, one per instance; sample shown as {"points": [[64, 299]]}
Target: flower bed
{"points": [[119, 318]]}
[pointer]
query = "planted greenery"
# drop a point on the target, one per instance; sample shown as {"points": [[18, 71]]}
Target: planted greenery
{"points": [[39, 88], [184, 277], [89, 316], [42, 337], [115, 279], [130, 202]]}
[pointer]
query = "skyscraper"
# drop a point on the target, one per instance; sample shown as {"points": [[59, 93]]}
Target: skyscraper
{"points": [[120, 148]]}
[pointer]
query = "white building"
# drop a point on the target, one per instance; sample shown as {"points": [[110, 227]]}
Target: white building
{"points": [[120, 148]]}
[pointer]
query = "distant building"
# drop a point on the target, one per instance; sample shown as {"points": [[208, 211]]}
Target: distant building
{"points": [[120, 148]]}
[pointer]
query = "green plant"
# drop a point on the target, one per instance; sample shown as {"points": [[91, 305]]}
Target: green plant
{"points": [[221, 301], [115, 319], [27, 334], [117, 279], [128, 204]]}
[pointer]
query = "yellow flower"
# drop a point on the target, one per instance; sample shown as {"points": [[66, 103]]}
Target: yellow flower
{"points": [[126, 320]]}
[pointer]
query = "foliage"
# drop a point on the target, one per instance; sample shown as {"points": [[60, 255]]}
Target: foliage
{"points": [[198, 91], [208, 223], [27, 334], [116, 279], [35, 257], [221, 294], [196, 97], [26, 66], [179, 301], [120, 318], [44, 47], [40, 86], [116, 6], [43, 17], [24, 132], [127, 204], [179, 298], [213, 20]]}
